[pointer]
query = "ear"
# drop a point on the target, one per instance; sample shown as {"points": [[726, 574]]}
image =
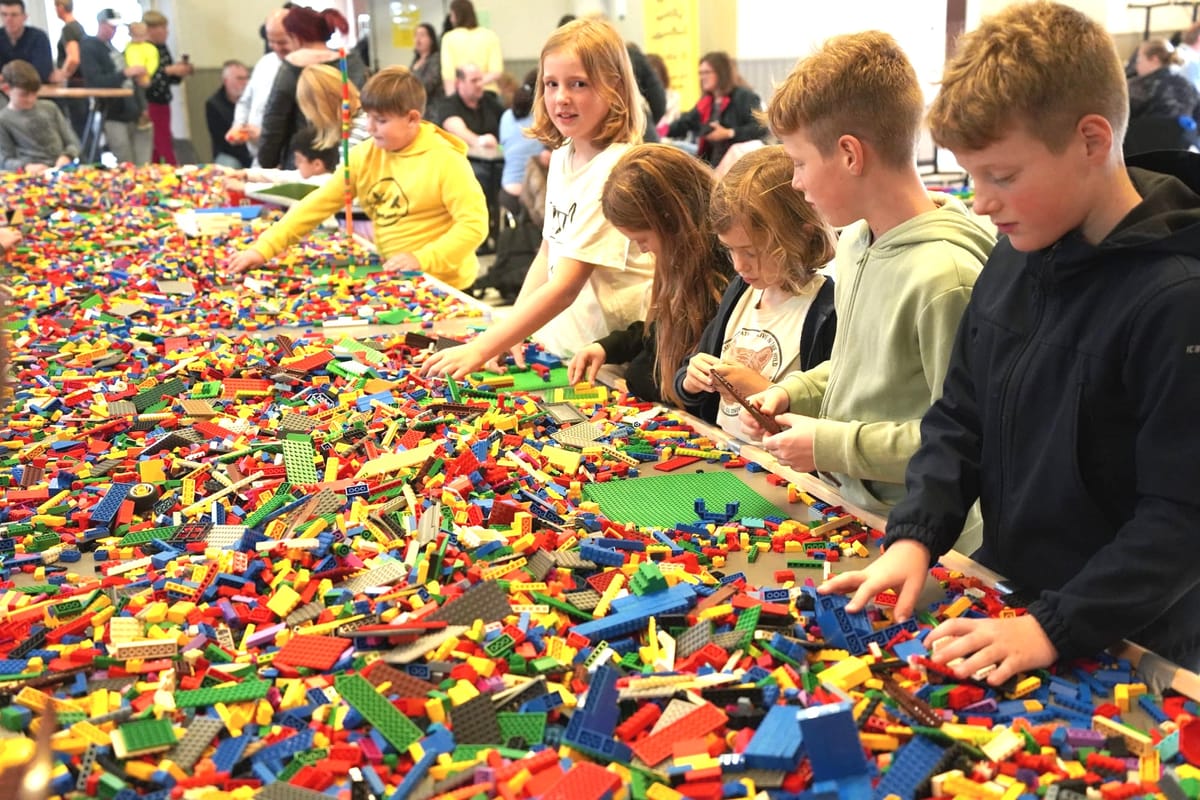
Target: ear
{"points": [[414, 116], [1097, 136], [850, 152]]}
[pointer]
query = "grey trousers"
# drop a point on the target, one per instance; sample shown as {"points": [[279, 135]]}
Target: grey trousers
{"points": [[129, 143]]}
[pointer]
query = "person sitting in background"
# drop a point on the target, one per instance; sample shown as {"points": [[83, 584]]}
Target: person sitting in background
{"points": [[218, 113], [309, 31], [472, 113], [1164, 106], [725, 114], [34, 134], [427, 64], [660, 69], [25, 42], [319, 95], [519, 148]]}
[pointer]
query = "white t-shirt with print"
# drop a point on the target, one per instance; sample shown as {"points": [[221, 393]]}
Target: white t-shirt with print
{"points": [[618, 291], [765, 340]]}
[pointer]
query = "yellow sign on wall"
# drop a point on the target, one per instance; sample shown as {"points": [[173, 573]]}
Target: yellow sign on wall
{"points": [[672, 30]]}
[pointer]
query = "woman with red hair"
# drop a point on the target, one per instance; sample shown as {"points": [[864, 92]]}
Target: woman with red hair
{"points": [[309, 32]]}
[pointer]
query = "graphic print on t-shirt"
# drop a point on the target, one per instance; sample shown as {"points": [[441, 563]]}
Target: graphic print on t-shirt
{"points": [[386, 203], [560, 217]]}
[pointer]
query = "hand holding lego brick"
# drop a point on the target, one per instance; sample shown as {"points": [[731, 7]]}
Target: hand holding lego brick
{"points": [[902, 567], [744, 380], [586, 363], [793, 446], [454, 362], [698, 377], [1000, 647], [770, 401]]}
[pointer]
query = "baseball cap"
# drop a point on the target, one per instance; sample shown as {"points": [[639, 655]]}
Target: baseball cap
{"points": [[110, 16]]}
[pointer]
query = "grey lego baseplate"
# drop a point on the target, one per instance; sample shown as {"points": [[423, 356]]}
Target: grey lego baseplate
{"points": [[385, 574], [539, 564], [485, 601], [580, 435], [200, 733]]}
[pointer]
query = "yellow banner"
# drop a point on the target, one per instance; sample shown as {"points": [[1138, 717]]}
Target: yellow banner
{"points": [[673, 32]]}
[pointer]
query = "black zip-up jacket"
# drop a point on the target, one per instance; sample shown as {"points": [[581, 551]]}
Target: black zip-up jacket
{"points": [[816, 342], [1069, 410]]}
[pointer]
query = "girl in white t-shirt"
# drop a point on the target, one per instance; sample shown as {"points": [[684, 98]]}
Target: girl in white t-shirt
{"points": [[777, 315], [586, 280]]}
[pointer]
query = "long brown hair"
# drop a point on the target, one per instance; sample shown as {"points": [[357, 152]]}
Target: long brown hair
{"points": [[659, 188], [757, 194]]}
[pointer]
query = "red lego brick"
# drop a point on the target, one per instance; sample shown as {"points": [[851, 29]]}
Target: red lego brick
{"points": [[316, 652], [678, 462], [701, 722], [584, 782]]}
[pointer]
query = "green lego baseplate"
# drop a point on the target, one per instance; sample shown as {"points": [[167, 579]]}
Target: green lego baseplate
{"points": [[667, 500], [525, 380], [298, 455]]}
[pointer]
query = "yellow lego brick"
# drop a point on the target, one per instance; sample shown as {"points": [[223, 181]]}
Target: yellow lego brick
{"points": [[152, 471], [956, 608], [1136, 741], [461, 692], [879, 742], [846, 674], [284, 601], [1002, 745]]}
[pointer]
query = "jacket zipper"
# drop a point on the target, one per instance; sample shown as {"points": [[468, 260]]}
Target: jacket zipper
{"points": [[1007, 414]]}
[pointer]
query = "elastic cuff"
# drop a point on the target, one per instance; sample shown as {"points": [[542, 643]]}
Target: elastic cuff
{"points": [[917, 533], [826, 433], [1055, 627]]}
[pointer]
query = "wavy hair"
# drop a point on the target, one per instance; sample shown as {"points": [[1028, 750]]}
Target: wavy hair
{"points": [[319, 95]]}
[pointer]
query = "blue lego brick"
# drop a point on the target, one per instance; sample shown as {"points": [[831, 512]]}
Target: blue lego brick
{"points": [[104, 512], [1152, 709], [229, 753], [630, 614], [885, 635], [913, 647], [840, 629], [831, 739], [601, 555], [777, 743], [913, 765], [775, 595]]}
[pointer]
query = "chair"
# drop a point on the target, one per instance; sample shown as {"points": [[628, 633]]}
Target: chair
{"points": [[1159, 132]]}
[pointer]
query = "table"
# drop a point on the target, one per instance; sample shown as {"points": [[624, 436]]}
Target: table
{"points": [[90, 146]]}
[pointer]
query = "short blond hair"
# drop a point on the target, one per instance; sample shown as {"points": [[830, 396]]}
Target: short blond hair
{"points": [[154, 19], [1039, 65], [393, 90], [860, 85], [606, 61]]}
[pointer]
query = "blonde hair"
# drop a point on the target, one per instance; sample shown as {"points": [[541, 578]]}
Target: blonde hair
{"points": [[606, 62], [1040, 65], [319, 95], [393, 90], [1161, 49], [154, 19], [861, 85], [662, 189], [757, 194]]}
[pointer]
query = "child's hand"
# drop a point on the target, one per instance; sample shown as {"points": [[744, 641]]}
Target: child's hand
{"points": [[406, 262], [697, 378], [586, 363], [454, 362], [1010, 646], [247, 259], [771, 402], [35, 169], [63, 160], [793, 446], [902, 567], [9, 237]]}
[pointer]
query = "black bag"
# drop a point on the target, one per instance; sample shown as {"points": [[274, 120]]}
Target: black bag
{"points": [[517, 244]]}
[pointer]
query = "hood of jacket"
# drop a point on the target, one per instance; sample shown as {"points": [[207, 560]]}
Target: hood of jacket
{"points": [[950, 222]]}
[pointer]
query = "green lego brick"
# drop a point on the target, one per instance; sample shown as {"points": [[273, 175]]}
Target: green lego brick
{"points": [[530, 727], [298, 455], [372, 355], [252, 689], [526, 380], [148, 535], [663, 501], [148, 397], [391, 724], [747, 623], [277, 501], [145, 736], [648, 579]]}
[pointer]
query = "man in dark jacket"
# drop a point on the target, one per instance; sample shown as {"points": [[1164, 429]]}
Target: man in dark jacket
{"points": [[103, 66], [21, 41]]}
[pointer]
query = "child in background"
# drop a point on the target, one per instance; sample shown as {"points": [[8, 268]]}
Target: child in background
{"points": [[412, 180], [777, 314], [848, 117], [141, 52], [1069, 404], [314, 165], [657, 196], [586, 280], [34, 134]]}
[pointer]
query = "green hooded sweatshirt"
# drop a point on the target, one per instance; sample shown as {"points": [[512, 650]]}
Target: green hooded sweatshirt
{"points": [[899, 300]]}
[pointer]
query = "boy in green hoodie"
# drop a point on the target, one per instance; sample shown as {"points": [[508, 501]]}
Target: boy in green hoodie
{"points": [[848, 117]]}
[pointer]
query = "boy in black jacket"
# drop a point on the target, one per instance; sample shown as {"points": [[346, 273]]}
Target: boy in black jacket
{"points": [[1068, 407]]}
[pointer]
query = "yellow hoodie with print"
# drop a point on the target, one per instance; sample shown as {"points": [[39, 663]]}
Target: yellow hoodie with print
{"points": [[423, 200]]}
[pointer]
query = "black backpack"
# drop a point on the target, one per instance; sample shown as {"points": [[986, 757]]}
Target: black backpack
{"points": [[517, 243]]}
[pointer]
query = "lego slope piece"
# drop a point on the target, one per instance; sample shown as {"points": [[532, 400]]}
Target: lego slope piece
{"points": [[665, 500]]}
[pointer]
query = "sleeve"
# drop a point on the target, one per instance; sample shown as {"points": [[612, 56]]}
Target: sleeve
{"points": [[316, 207], [8, 149], [1144, 558], [241, 112], [703, 404], [747, 128], [214, 120], [942, 479], [43, 58], [688, 122], [621, 347], [448, 56], [463, 198], [278, 118], [806, 389], [494, 56], [649, 85], [69, 139], [881, 450]]}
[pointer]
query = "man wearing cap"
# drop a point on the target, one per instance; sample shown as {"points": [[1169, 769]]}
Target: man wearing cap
{"points": [[103, 67], [21, 41]]}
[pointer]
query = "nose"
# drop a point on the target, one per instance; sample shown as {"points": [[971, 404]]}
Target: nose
{"points": [[984, 203], [797, 181]]}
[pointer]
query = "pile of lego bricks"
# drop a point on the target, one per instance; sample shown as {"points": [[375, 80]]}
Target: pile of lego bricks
{"points": [[318, 574]]}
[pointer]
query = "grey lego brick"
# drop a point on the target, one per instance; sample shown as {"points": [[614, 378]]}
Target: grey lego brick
{"points": [[485, 601], [200, 733], [305, 613], [225, 536], [727, 641], [298, 423], [388, 573], [475, 722], [121, 408], [584, 599], [281, 790], [569, 559], [693, 639], [539, 564], [580, 435]]}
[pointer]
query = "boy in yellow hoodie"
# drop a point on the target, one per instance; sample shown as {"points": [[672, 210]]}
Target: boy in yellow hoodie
{"points": [[412, 179]]}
